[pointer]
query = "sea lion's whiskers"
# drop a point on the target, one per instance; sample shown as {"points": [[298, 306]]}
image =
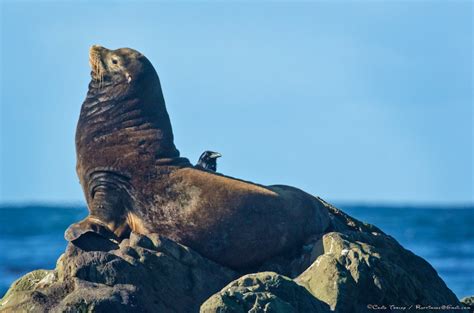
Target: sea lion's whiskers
{"points": [[101, 70], [94, 65]]}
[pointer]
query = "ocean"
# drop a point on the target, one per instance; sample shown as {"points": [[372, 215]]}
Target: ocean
{"points": [[31, 237]]}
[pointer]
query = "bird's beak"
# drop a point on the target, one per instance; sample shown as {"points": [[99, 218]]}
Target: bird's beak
{"points": [[215, 155]]}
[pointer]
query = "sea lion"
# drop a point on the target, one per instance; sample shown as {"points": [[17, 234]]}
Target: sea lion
{"points": [[134, 179]]}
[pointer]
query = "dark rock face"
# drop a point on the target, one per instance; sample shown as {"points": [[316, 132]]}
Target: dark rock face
{"points": [[351, 266], [143, 274]]}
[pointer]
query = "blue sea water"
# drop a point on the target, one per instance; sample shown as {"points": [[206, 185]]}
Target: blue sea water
{"points": [[31, 237]]}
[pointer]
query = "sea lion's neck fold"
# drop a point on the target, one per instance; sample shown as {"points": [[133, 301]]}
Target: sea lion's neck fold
{"points": [[122, 115]]}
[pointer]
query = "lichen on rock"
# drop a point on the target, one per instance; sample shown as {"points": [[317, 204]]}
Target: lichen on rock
{"points": [[263, 292]]}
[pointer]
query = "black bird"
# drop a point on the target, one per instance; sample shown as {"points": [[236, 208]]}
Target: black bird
{"points": [[208, 160]]}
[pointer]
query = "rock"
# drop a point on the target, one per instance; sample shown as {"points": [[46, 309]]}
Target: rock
{"points": [[21, 291], [294, 264], [358, 265], [346, 269], [142, 274], [263, 292], [468, 302]]}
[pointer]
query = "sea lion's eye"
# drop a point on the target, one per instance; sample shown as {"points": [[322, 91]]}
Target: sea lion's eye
{"points": [[114, 61]]}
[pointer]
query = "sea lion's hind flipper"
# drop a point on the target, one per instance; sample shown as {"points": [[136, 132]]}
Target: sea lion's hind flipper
{"points": [[87, 225]]}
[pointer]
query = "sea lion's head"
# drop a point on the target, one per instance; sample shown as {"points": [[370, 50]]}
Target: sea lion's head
{"points": [[125, 100], [121, 66]]}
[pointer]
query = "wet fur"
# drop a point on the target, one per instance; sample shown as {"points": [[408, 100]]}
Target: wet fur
{"points": [[134, 179]]}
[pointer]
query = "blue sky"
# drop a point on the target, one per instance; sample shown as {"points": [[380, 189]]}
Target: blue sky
{"points": [[351, 101]]}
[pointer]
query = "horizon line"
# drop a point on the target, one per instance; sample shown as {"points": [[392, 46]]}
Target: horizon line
{"points": [[336, 203]]}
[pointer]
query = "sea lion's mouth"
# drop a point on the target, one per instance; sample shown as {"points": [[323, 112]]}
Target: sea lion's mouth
{"points": [[95, 61]]}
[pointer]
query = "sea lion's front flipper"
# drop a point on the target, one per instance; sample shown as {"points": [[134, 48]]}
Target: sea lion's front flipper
{"points": [[87, 225], [107, 197]]}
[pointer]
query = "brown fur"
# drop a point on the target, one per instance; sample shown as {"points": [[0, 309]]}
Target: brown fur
{"points": [[134, 179]]}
